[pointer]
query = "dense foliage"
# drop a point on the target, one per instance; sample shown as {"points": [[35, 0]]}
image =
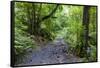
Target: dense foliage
{"points": [[37, 24]]}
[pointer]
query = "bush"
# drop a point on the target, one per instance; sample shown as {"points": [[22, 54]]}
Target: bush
{"points": [[22, 42]]}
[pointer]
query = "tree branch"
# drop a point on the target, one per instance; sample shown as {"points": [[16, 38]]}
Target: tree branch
{"points": [[49, 15]]}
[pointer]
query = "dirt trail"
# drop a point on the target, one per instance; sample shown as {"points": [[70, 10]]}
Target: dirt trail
{"points": [[52, 53]]}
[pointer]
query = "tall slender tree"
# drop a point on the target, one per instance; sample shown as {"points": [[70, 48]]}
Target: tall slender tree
{"points": [[85, 30]]}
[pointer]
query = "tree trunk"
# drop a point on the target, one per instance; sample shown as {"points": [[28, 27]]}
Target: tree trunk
{"points": [[85, 30], [35, 19]]}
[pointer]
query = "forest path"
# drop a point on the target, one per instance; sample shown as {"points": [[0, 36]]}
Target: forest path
{"points": [[52, 53]]}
